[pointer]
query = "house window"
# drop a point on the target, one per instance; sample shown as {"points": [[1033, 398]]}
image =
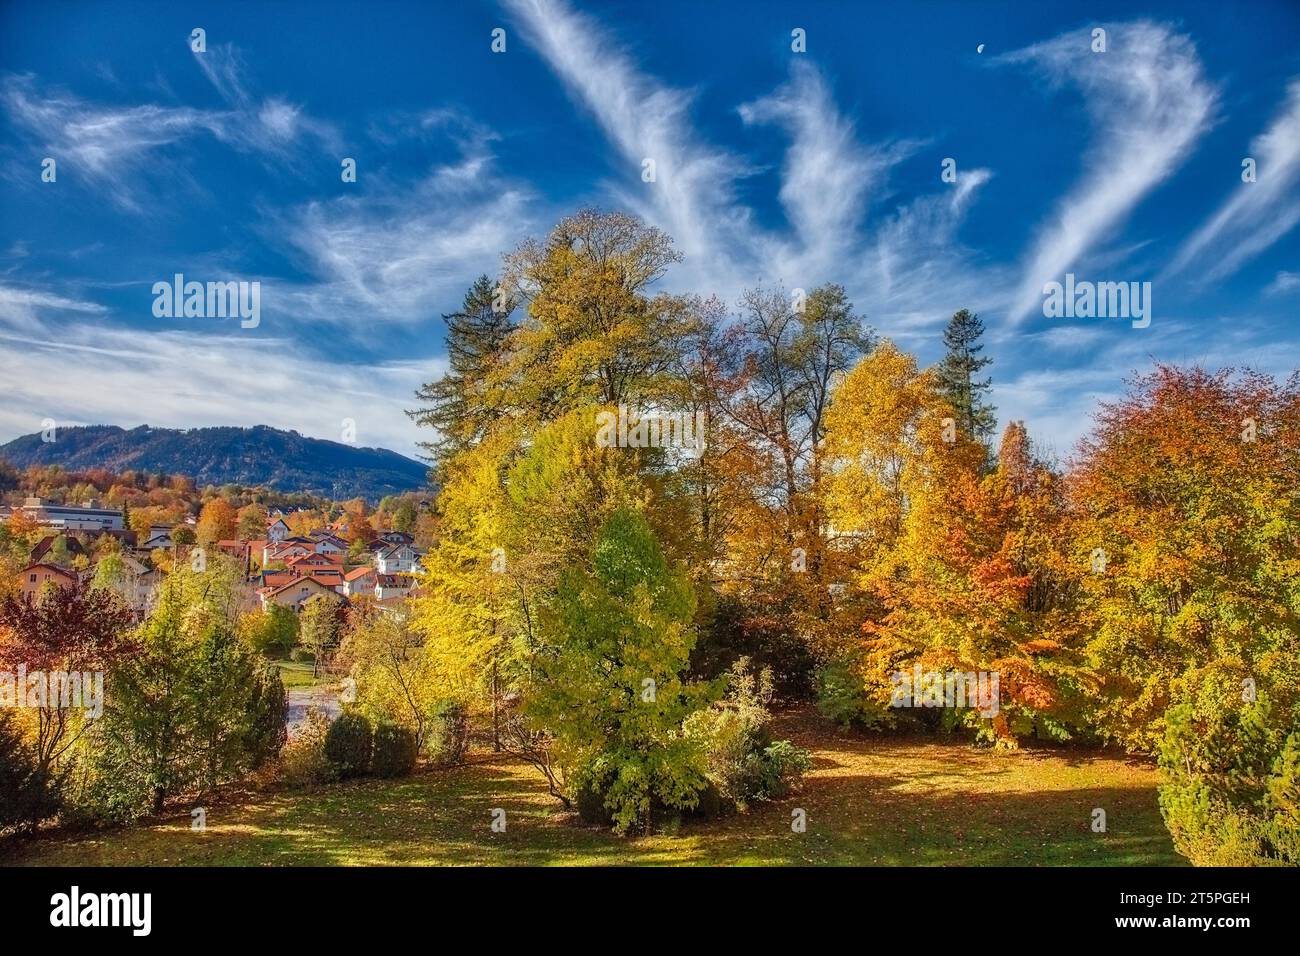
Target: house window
{"points": [[32, 579]]}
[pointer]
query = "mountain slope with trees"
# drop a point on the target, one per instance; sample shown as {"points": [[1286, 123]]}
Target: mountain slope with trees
{"points": [[284, 460]]}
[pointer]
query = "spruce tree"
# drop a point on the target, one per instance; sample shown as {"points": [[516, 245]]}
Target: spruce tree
{"points": [[958, 376], [455, 404]]}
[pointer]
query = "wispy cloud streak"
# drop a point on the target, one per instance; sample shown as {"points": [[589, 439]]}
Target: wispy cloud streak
{"points": [[1149, 101]]}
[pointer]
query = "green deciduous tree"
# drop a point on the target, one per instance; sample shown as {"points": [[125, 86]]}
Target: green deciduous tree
{"points": [[194, 707], [608, 680]]}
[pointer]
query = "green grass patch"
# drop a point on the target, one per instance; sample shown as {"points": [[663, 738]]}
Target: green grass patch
{"points": [[869, 801], [298, 674]]}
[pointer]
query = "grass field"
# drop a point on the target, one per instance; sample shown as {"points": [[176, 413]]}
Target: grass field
{"points": [[869, 801], [297, 674]]}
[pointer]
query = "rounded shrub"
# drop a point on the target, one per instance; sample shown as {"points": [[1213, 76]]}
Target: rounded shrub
{"points": [[394, 750], [449, 732], [348, 745], [1230, 795]]}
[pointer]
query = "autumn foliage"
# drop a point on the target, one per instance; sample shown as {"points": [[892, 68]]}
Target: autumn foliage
{"points": [[848, 518]]}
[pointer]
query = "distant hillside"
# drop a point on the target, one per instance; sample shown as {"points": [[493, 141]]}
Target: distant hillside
{"points": [[216, 456]]}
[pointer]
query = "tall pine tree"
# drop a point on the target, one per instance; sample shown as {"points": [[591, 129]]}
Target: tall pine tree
{"points": [[958, 376], [454, 405]]}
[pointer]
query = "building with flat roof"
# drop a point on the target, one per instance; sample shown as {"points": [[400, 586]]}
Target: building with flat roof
{"points": [[72, 518]]}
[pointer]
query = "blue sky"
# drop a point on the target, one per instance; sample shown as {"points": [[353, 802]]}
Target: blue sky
{"points": [[771, 167]]}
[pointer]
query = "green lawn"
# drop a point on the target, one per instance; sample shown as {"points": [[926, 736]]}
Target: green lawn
{"points": [[868, 801], [297, 674]]}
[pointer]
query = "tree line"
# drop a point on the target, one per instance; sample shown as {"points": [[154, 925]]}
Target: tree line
{"points": [[852, 515]]}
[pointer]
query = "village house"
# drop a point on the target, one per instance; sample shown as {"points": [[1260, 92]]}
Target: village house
{"points": [[140, 584], [272, 579], [396, 559], [327, 543], [360, 581], [61, 544], [35, 576], [281, 552], [293, 593], [306, 563], [160, 536], [392, 586]]}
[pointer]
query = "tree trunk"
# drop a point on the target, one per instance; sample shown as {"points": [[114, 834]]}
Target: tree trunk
{"points": [[496, 723]]}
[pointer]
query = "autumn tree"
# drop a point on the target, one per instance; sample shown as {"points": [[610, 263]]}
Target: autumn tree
{"points": [[320, 628], [271, 631], [794, 351], [217, 522], [68, 629], [251, 523], [394, 678], [22, 525], [356, 519], [1186, 532], [193, 707], [594, 333], [607, 680]]}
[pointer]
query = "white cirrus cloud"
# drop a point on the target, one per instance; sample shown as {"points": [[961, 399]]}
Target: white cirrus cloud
{"points": [[1284, 283], [905, 272], [828, 178], [1259, 213], [181, 379], [111, 146], [401, 252], [1149, 102], [693, 195], [21, 307]]}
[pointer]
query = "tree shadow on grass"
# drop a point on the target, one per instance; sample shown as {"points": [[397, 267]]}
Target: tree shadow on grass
{"points": [[876, 803]]}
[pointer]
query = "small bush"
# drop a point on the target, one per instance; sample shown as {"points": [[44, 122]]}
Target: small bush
{"points": [[1231, 789], [348, 745], [268, 711], [272, 633], [710, 804], [302, 761], [780, 766], [741, 759], [394, 750], [301, 655], [448, 732], [841, 697], [28, 794]]}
